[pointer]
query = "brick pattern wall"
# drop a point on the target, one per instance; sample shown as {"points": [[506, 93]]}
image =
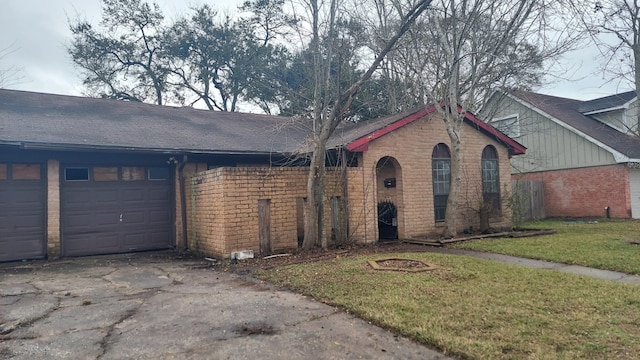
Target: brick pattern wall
{"points": [[358, 196], [411, 146], [53, 209], [585, 192], [188, 170], [223, 207]]}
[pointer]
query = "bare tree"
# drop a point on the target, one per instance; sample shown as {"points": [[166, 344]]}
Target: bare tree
{"points": [[463, 50], [614, 27], [331, 102], [9, 74]]}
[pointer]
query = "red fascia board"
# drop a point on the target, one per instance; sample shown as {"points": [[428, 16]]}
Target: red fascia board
{"points": [[362, 144]]}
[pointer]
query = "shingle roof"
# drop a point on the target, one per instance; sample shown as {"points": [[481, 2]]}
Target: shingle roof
{"points": [[607, 102], [568, 112], [80, 122], [32, 119], [353, 131]]}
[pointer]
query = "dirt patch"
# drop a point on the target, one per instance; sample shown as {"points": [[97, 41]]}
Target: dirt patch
{"points": [[396, 264], [247, 266], [5, 353], [297, 257], [633, 241], [255, 329], [400, 263]]}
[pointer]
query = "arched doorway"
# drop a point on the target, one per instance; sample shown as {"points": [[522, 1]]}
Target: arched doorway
{"points": [[389, 198]]}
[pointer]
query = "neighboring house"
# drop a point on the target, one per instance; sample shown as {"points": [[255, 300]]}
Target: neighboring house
{"points": [[586, 153], [83, 176]]}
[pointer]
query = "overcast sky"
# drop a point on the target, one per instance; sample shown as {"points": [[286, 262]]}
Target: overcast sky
{"points": [[40, 31]]}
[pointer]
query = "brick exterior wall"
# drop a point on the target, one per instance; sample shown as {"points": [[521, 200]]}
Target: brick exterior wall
{"points": [[222, 207], [222, 203], [585, 192], [359, 230], [188, 170], [411, 147], [53, 209]]}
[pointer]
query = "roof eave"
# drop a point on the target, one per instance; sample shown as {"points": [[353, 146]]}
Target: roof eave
{"points": [[614, 108], [118, 148]]}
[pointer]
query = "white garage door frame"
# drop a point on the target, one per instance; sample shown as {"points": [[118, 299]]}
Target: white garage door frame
{"points": [[634, 192]]}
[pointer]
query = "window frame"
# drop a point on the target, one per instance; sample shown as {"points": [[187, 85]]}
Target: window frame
{"points": [[440, 180], [512, 129], [152, 173], [490, 171], [77, 168]]}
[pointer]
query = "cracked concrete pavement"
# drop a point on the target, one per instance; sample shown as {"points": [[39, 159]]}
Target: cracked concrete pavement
{"points": [[159, 306]]}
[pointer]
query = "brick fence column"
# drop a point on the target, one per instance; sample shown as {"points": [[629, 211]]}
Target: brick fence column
{"points": [[53, 208]]}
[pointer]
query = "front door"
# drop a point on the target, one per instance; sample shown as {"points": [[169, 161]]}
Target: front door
{"points": [[387, 221]]}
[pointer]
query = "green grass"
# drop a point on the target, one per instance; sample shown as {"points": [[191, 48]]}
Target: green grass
{"points": [[476, 308], [603, 245]]}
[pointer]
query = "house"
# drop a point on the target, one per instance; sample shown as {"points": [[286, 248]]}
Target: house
{"points": [[83, 176], [585, 153]]}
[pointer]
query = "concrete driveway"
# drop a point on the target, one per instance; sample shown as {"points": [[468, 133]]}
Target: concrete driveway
{"points": [[159, 306]]}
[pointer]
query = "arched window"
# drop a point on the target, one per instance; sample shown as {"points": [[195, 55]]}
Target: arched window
{"points": [[441, 168], [490, 179]]}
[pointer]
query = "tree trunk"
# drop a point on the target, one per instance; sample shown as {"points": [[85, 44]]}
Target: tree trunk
{"points": [[451, 218], [314, 210], [314, 225], [636, 56]]}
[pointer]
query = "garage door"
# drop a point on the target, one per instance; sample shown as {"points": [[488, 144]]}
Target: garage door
{"points": [[22, 212], [108, 210], [634, 192]]}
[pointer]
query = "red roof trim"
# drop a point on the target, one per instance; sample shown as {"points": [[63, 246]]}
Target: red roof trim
{"points": [[362, 144]]}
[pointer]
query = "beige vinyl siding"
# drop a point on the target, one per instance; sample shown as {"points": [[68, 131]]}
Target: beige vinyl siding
{"points": [[614, 118], [549, 145]]}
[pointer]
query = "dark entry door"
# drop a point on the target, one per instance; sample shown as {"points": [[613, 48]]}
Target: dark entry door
{"points": [[387, 221], [22, 211], [115, 210]]}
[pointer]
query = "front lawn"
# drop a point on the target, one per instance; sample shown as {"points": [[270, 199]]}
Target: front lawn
{"points": [[605, 244], [476, 308]]}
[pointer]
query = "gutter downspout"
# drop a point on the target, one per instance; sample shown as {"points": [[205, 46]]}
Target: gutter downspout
{"points": [[183, 202]]}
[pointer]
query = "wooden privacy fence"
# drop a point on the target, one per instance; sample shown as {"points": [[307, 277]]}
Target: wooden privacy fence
{"points": [[528, 200]]}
